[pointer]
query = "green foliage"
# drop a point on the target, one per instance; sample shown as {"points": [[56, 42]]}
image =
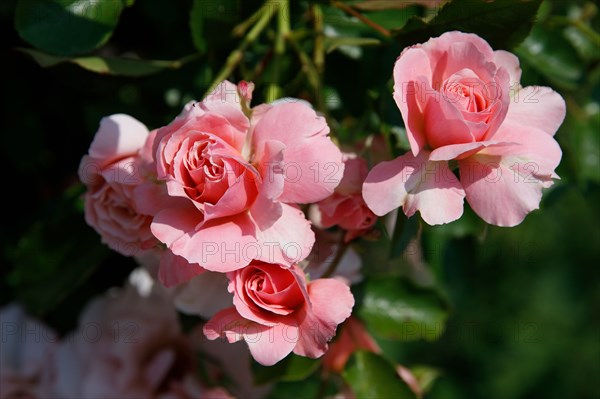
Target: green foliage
{"points": [[394, 308], [503, 23], [68, 27], [371, 376], [108, 65]]}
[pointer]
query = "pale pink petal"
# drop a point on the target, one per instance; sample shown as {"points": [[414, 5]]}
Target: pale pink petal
{"points": [[510, 62], [437, 195], [312, 163], [175, 270], [271, 168], [504, 183], [119, 136], [444, 124], [226, 324], [384, 188], [415, 184], [537, 107], [151, 197], [331, 303], [221, 245], [269, 345], [171, 224], [460, 151], [410, 66], [284, 239]]}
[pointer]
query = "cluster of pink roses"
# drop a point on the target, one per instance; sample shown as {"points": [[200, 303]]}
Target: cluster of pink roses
{"points": [[219, 189]]}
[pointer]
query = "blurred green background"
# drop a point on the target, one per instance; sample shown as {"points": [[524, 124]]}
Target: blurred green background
{"points": [[525, 301]]}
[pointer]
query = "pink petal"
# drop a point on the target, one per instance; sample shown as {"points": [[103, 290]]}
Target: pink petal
{"points": [[119, 136], [510, 62], [312, 163], [460, 151], [226, 324], [171, 224], [286, 239], [175, 270], [415, 184], [504, 183], [537, 107], [412, 64], [271, 168], [444, 124], [220, 245], [331, 304], [269, 345]]}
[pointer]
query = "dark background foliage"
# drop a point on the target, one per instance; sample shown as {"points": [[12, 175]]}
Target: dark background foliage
{"points": [[524, 302]]}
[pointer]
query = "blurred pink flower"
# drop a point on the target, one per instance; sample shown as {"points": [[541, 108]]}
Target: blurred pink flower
{"points": [[27, 351], [238, 168], [276, 312], [462, 102], [346, 207], [128, 345]]}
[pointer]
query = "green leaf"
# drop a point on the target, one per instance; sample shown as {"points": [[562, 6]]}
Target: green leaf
{"points": [[292, 368], [503, 23], [371, 376], [396, 309], [552, 55], [108, 65], [67, 27]]}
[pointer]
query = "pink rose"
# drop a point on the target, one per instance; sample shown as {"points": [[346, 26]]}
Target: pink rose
{"points": [[238, 168], [461, 102], [346, 207], [276, 312], [111, 172], [27, 351]]}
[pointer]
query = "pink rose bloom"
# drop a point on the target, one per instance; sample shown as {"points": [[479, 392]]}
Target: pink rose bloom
{"points": [[462, 102], [27, 350], [346, 207], [111, 172], [128, 344], [276, 312], [238, 170]]}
